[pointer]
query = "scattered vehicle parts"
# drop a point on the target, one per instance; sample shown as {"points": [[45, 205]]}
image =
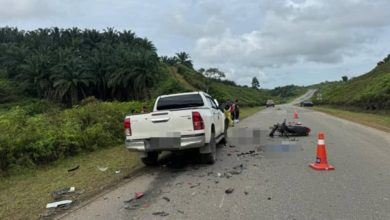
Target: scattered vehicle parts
{"points": [[162, 213], [102, 168], [58, 194], [229, 190], [74, 168], [58, 204], [138, 195]]}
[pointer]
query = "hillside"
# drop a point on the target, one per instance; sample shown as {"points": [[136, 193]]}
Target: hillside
{"points": [[180, 78], [370, 91]]}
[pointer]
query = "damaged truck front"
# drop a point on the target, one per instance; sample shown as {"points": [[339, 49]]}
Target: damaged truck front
{"points": [[178, 122]]}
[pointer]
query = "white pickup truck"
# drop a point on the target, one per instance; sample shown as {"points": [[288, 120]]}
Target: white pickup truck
{"points": [[178, 122]]}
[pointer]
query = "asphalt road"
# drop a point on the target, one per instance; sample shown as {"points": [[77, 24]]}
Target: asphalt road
{"points": [[267, 183]]}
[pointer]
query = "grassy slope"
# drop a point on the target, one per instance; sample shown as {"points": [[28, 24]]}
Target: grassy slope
{"points": [[371, 90], [183, 79]]}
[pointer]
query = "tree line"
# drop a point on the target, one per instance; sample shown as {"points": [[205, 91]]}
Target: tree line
{"points": [[67, 65]]}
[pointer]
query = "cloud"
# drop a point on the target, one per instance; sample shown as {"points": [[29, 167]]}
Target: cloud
{"points": [[279, 41], [318, 31], [24, 9]]}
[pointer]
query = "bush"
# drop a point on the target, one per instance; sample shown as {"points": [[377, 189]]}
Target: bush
{"points": [[34, 139]]}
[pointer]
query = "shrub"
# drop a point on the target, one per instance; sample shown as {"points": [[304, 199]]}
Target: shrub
{"points": [[28, 139]]}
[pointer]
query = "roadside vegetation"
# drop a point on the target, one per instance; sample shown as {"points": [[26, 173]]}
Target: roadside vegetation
{"points": [[378, 120], [368, 92], [364, 99]]}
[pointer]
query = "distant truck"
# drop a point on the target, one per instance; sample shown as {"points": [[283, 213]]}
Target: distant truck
{"points": [[178, 122], [270, 103]]}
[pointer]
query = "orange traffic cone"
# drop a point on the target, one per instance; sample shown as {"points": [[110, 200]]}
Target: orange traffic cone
{"points": [[296, 115], [321, 160]]}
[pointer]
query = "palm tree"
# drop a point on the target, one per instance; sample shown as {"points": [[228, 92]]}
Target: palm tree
{"points": [[35, 73], [169, 60], [70, 81], [184, 58]]}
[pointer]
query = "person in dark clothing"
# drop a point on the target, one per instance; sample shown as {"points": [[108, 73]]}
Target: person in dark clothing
{"points": [[236, 112]]}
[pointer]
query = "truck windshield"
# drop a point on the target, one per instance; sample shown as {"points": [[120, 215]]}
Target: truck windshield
{"points": [[180, 101]]}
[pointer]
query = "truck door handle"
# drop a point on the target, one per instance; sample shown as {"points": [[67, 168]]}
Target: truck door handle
{"points": [[156, 120]]}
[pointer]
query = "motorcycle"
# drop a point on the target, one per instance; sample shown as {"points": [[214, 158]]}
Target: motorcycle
{"points": [[292, 129]]}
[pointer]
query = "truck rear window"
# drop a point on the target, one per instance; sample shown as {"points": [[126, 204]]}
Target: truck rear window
{"points": [[180, 101]]}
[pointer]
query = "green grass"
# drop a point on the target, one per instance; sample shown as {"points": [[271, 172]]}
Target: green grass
{"points": [[25, 193], [248, 111], [379, 121]]}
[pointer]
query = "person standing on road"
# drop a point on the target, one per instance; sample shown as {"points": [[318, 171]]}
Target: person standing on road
{"points": [[228, 114], [232, 111], [236, 112]]}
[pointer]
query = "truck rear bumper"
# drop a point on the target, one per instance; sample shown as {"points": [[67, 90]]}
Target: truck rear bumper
{"points": [[166, 143]]}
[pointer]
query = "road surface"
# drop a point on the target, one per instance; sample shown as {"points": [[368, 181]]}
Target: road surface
{"points": [[267, 185]]}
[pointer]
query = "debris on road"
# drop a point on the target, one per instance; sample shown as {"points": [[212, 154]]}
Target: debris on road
{"points": [[269, 198], [138, 195], [229, 190], [82, 191], [102, 168], [193, 186], [246, 193], [117, 171], [222, 200], [232, 146], [132, 207], [251, 152], [74, 168], [58, 204], [58, 194], [166, 199], [162, 214], [129, 201], [180, 211]]}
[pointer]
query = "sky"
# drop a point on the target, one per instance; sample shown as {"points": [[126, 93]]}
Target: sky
{"points": [[281, 42]]}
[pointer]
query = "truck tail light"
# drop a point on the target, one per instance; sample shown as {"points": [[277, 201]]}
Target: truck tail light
{"points": [[127, 126], [197, 121]]}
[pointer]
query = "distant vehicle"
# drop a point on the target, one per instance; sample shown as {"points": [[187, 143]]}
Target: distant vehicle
{"points": [[307, 103], [270, 103], [178, 122]]}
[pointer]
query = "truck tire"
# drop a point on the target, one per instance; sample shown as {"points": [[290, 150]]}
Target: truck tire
{"points": [[150, 159], [210, 158]]}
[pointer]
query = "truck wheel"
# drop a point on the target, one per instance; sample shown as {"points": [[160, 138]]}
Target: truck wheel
{"points": [[150, 159], [211, 157]]}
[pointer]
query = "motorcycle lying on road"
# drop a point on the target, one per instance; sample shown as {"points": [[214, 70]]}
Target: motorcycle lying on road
{"points": [[293, 129]]}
